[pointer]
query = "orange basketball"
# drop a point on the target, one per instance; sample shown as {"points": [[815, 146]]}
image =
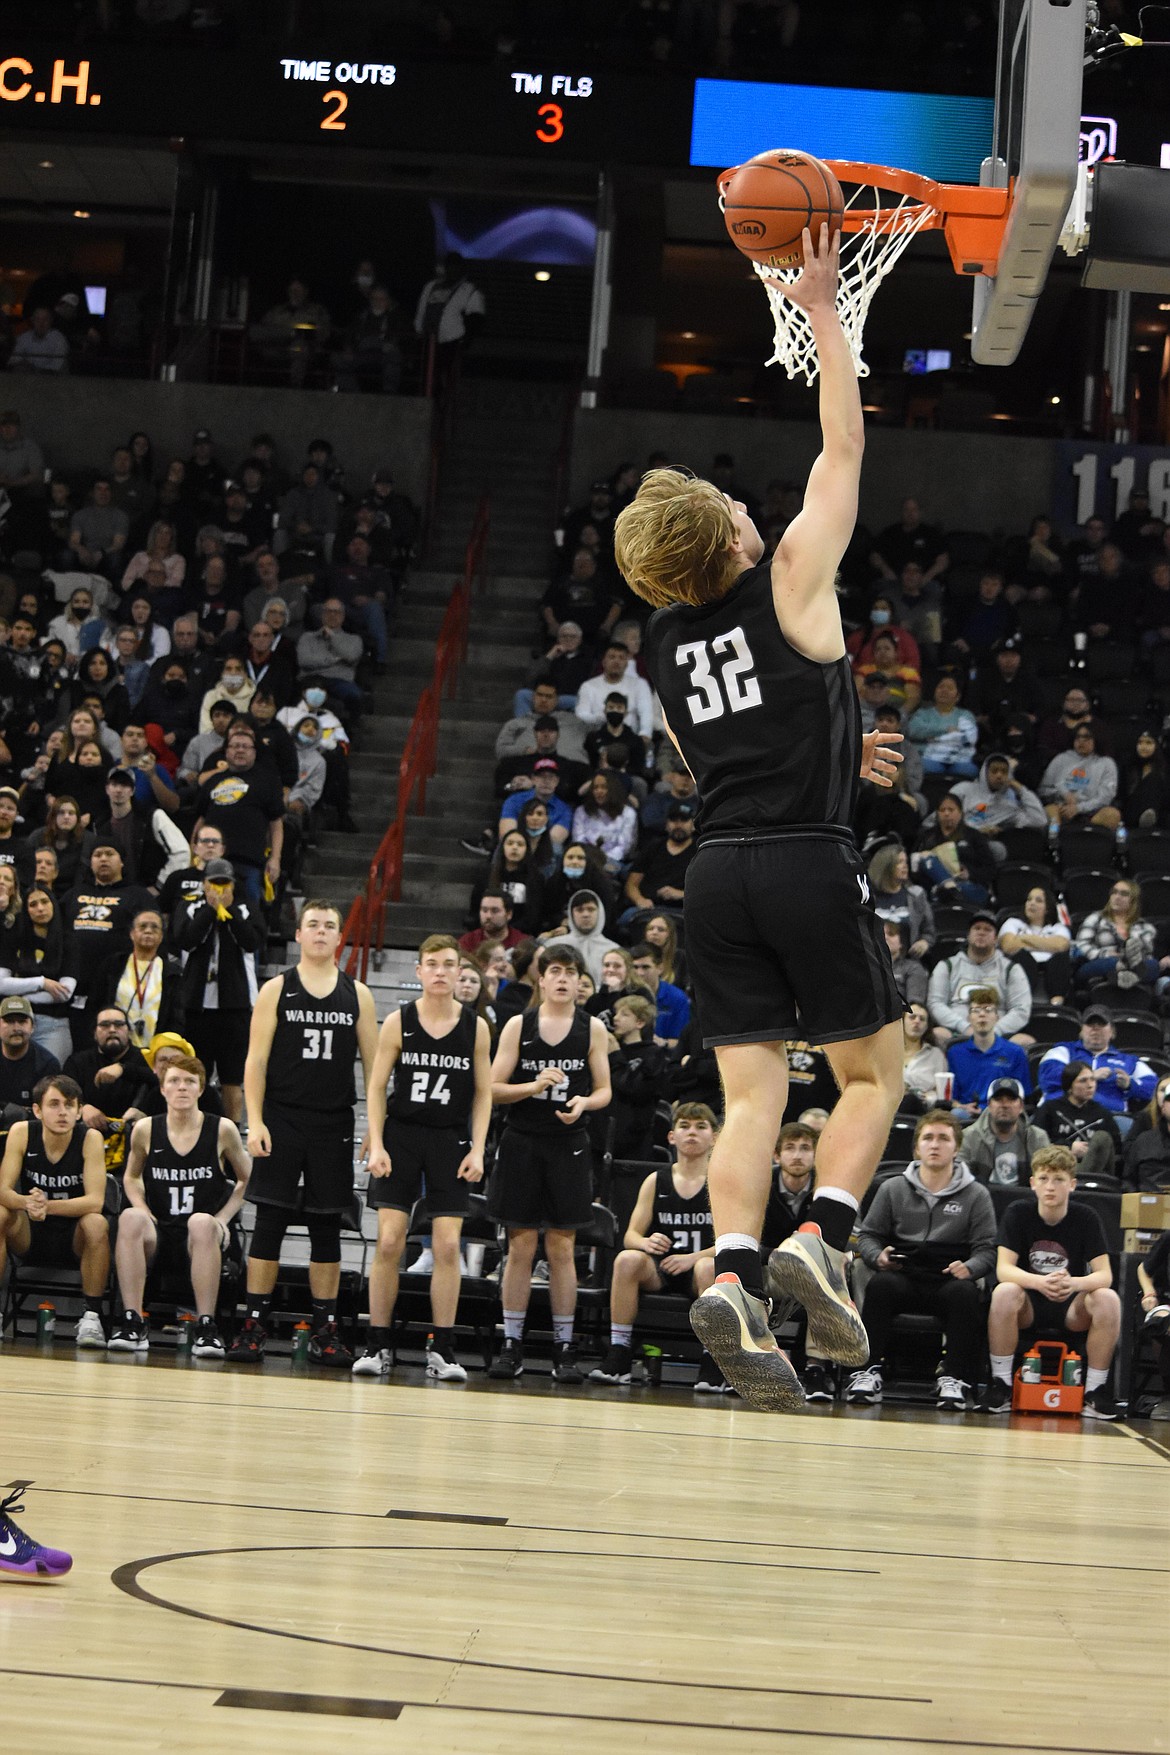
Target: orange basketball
{"points": [[768, 201]]}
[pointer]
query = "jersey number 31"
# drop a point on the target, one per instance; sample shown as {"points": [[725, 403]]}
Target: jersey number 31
{"points": [[736, 685]]}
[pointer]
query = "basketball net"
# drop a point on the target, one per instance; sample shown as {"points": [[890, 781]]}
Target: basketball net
{"points": [[871, 246]]}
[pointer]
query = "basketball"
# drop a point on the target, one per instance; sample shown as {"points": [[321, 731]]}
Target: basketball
{"points": [[768, 201]]}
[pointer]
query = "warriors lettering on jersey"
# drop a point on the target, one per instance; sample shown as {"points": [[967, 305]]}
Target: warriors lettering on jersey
{"points": [[683, 1216], [306, 1015], [63, 1180], [314, 1047], [449, 1062], [434, 1086]]}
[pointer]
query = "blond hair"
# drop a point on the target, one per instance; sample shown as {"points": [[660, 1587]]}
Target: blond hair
{"points": [[673, 541]]}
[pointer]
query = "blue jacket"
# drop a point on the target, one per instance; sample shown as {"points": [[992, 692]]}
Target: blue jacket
{"points": [[674, 1012], [559, 814], [976, 1069], [1143, 1078]]}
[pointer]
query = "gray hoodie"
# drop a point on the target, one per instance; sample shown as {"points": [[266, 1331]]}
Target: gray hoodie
{"points": [[905, 1212], [1091, 780], [952, 980], [592, 945], [1013, 807]]}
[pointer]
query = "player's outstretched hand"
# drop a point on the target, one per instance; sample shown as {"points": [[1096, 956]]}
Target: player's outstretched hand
{"points": [[879, 761], [471, 1169], [259, 1142], [816, 288]]}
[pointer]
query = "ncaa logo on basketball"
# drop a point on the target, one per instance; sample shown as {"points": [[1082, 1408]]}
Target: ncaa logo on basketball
{"points": [[747, 228]]}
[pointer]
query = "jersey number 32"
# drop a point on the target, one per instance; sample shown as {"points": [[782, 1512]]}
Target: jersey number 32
{"points": [[735, 687]]}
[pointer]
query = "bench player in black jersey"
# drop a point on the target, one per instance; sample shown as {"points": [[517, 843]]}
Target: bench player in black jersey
{"points": [[308, 1028], [781, 936], [427, 1138], [182, 1198], [52, 1190], [669, 1241], [551, 1069]]}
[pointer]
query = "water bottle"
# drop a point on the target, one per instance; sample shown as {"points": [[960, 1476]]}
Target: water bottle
{"points": [[652, 1366], [46, 1321], [186, 1331], [1071, 1370], [301, 1342], [1030, 1369]]}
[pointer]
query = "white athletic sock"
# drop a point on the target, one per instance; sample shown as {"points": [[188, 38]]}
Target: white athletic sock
{"points": [[621, 1334], [1001, 1366], [735, 1240], [841, 1194], [562, 1330], [514, 1325], [1095, 1378]]}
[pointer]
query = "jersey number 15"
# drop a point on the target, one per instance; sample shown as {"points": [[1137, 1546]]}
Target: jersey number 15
{"points": [[735, 687]]}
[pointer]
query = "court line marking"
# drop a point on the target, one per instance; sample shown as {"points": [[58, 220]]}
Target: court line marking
{"points": [[127, 1578], [444, 1517], [335, 1705], [1154, 1444]]}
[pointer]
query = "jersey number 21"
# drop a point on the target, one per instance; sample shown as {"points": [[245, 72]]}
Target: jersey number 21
{"points": [[735, 687]]}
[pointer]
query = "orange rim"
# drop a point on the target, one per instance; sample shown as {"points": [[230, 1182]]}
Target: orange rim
{"points": [[971, 218]]}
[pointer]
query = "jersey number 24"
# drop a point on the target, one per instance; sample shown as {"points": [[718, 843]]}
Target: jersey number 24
{"points": [[736, 686]]}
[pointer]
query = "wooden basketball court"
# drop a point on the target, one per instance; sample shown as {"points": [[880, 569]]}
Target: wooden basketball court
{"points": [[285, 1562]]}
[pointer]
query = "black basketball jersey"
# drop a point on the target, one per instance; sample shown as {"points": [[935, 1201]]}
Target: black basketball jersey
{"points": [[434, 1081], [772, 738], [64, 1180], [686, 1221], [177, 1184], [539, 1114], [314, 1046]]}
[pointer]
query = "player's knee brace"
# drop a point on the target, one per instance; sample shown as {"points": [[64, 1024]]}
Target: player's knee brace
{"points": [[324, 1236], [271, 1225]]}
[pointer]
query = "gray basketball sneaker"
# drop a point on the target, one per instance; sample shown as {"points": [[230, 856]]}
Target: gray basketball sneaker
{"points": [[804, 1267], [733, 1326]]}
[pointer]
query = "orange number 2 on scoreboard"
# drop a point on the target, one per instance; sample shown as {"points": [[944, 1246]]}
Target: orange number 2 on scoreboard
{"points": [[554, 123], [333, 120]]}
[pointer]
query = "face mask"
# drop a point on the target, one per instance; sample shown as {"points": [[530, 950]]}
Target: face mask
{"points": [[534, 834], [232, 683], [175, 687], [306, 739], [574, 872], [614, 719], [879, 617], [315, 697]]}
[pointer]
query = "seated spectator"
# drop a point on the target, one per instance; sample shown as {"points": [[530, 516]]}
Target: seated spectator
{"points": [[365, 590], [99, 533], [517, 736], [1000, 1145], [42, 347], [1147, 1154], [637, 1072], [669, 1245], [81, 776], [1152, 617], [1154, 1285], [97, 676], [13, 850], [162, 549], [204, 752], [565, 666], [980, 965], [78, 618], [606, 820], [471, 992], [181, 1198], [580, 866], [910, 975], [532, 822], [882, 620], [990, 619], [234, 685], [292, 333], [1076, 1120], [1114, 943], [71, 842], [1007, 692], [310, 508], [1145, 784], [147, 838], [956, 862], [983, 1057], [1037, 561], [1055, 736], [513, 873], [793, 1178], [546, 775], [167, 701], [616, 731], [658, 871], [333, 744], [618, 676], [1081, 786], [585, 931], [896, 898], [1122, 1079], [1055, 1283], [245, 803], [330, 656], [997, 801], [514, 772], [1040, 944], [617, 982], [38, 962], [659, 929], [23, 1062], [929, 1236], [371, 354], [945, 732], [243, 531], [271, 588], [52, 1190], [151, 637], [673, 1006], [585, 594], [1104, 601], [903, 681], [677, 787], [922, 1063], [215, 603], [910, 540], [495, 925], [129, 656]]}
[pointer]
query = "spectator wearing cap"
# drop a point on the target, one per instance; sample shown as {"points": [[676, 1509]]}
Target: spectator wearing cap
{"points": [[875, 696], [1000, 1145], [23, 1062], [245, 802], [1079, 1122], [1006, 692], [982, 1056], [99, 531], [42, 347], [149, 841], [516, 737], [22, 462], [997, 800], [218, 935], [331, 656], [618, 676], [658, 872], [1123, 1081], [677, 786], [514, 773], [1114, 943], [1081, 785], [546, 777], [566, 665], [163, 1051], [978, 965]]}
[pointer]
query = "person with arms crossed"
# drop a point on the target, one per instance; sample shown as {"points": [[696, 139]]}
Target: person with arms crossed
{"points": [[52, 1188], [308, 1028], [181, 1201], [551, 1069], [426, 1138], [782, 939]]}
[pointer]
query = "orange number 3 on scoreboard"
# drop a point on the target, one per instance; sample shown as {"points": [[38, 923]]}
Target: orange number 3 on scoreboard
{"points": [[554, 124], [333, 120]]}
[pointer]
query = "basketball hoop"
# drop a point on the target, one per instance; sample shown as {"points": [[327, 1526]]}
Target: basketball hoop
{"points": [[884, 209]]}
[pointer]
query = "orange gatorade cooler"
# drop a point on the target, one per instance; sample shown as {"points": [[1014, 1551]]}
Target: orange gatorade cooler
{"points": [[1051, 1380]]}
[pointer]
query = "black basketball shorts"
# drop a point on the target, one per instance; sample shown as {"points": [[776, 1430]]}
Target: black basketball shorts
{"points": [[51, 1244], [220, 1039], [317, 1149], [171, 1259], [540, 1180], [424, 1160], [783, 942]]}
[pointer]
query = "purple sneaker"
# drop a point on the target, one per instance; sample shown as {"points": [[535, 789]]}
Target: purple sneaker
{"points": [[21, 1557]]}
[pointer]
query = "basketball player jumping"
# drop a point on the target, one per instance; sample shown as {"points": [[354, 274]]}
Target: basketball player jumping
{"points": [[782, 939]]}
